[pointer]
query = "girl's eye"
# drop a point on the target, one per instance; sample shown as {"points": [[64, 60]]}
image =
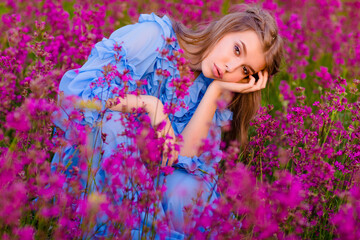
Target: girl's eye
{"points": [[237, 50], [246, 71]]}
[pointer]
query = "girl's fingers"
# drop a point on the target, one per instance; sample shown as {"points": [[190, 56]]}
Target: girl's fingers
{"points": [[260, 84], [173, 158], [167, 151], [251, 86], [252, 81], [266, 78], [243, 87], [263, 79], [256, 86]]}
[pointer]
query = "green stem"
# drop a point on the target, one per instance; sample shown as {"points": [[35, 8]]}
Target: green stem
{"points": [[261, 173], [90, 167], [333, 113]]}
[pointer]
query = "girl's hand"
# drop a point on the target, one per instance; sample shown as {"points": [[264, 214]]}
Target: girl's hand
{"points": [[170, 155], [155, 109], [239, 87], [157, 116]]}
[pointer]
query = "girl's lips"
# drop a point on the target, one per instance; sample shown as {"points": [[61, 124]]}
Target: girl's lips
{"points": [[217, 72]]}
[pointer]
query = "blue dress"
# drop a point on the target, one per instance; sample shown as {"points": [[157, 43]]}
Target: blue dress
{"points": [[139, 55]]}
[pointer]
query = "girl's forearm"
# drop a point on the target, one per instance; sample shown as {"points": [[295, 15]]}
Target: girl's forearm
{"points": [[151, 104], [154, 107], [129, 102], [199, 125]]}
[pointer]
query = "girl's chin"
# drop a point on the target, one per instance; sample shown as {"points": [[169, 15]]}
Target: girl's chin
{"points": [[207, 75]]}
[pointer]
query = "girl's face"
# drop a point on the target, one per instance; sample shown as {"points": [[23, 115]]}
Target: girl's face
{"points": [[234, 57]]}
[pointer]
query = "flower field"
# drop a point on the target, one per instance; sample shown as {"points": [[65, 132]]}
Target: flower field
{"points": [[300, 176]]}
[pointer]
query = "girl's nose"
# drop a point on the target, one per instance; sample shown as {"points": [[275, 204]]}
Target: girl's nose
{"points": [[227, 68]]}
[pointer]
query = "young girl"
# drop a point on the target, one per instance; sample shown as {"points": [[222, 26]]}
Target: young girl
{"points": [[224, 57]]}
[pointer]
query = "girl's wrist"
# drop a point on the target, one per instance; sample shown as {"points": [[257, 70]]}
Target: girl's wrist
{"points": [[216, 88]]}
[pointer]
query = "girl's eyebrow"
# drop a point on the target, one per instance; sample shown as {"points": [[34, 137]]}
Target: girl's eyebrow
{"points": [[243, 46]]}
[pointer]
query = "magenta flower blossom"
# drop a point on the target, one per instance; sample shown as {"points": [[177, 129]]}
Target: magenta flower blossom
{"points": [[297, 179]]}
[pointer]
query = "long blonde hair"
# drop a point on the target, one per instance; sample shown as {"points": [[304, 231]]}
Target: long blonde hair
{"points": [[240, 18]]}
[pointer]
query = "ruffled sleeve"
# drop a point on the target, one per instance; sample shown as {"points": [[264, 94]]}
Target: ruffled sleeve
{"points": [[137, 54], [192, 101]]}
